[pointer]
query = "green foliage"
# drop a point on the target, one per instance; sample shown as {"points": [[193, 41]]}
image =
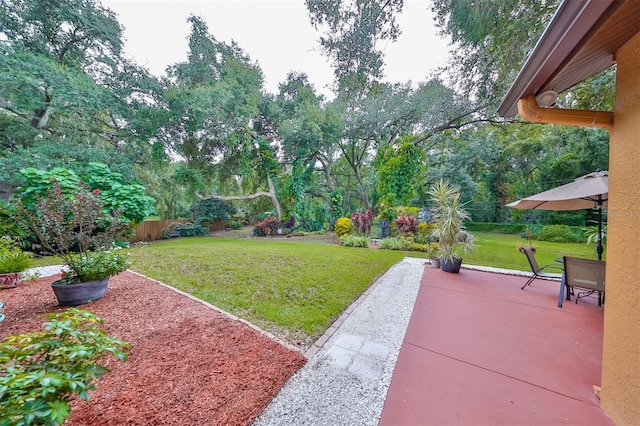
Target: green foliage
{"points": [[192, 229], [12, 258], [337, 199], [343, 226], [67, 222], [44, 371], [114, 193], [396, 243], [400, 171], [354, 241], [212, 209], [497, 228], [98, 265], [449, 216], [560, 234]]}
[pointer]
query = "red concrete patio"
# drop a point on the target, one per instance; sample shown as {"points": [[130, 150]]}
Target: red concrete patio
{"points": [[480, 351]]}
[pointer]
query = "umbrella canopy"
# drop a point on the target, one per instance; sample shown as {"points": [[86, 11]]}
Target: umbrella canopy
{"points": [[586, 192]]}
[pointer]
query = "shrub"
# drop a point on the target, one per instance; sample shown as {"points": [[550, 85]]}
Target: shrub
{"points": [[354, 241], [406, 225], [343, 226], [362, 222], [67, 223], [560, 234], [396, 243], [42, 371], [268, 226]]}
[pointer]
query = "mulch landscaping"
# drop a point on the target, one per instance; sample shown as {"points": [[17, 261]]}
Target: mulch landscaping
{"points": [[188, 363]]}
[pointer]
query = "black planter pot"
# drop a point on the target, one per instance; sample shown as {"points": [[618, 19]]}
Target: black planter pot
{"points": [[81, 293], [452, 266]]}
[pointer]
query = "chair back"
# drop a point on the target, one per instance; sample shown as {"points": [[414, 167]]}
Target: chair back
{"points": [[584, 273], [531, 258]]}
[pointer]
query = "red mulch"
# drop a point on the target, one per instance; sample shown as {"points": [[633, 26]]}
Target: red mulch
{"points": [[188, 364]]}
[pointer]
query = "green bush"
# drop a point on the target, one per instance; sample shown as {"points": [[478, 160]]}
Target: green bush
{"points": [[497, 228], [396, 243], [42, 371], [354, 241], [343, 226], [560, 234]]}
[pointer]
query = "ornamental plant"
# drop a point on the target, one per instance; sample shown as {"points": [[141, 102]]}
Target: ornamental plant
{"points": [[43, 371], [268, 226], [343, 226], [362, 222], [78, 229], [406, 225]]}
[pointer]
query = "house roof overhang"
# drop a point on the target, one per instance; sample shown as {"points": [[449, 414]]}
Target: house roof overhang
{"points": [[580, 41]]}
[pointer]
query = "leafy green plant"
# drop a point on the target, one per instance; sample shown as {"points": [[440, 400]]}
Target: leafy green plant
{"points": [[101, 264], [70, 226], [449, 217], [559, 234], [343, 226], [44, 370], [396, 243], [12, 258], [354, 241]]}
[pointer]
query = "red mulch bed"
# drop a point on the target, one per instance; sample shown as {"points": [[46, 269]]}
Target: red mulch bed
{"points": [[188, 363]]}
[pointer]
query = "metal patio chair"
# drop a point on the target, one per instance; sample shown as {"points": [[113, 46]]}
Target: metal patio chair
{"points": [[539, 272], [585, 274]]}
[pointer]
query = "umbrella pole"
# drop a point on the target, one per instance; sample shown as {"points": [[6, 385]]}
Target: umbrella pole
{"points": [[599, 249]]}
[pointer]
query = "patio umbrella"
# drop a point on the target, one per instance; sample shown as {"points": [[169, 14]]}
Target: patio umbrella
{"points": [[586, 192]]}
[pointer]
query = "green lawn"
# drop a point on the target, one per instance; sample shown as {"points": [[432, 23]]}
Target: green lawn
{"points": [[500, 251], [296, 288], [293, 289]]}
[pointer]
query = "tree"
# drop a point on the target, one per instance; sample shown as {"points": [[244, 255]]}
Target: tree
{"points": [[490, 40], [352, 30]]}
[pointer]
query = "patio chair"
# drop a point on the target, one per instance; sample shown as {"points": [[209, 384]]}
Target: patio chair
{"points": [[585, 274], [539, 272]]}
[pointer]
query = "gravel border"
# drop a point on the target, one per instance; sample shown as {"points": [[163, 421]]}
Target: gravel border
{"points": [[346, 380]]}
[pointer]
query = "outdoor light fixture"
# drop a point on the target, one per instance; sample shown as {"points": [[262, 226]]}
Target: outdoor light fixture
{"points": [[547, 99]]}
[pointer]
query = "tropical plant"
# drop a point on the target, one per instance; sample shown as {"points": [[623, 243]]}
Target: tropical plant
{"points": [[362, 222], [42, 371], [449, 217], [268, 226], [76, 228], [406, 225], [12, 258], [354, 241]]}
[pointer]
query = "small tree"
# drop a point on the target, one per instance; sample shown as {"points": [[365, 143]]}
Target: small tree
{"points": [[449, 216], [77, 223]]}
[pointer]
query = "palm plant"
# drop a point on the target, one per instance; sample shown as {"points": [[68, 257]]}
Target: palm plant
{"points": [[449, 215]]}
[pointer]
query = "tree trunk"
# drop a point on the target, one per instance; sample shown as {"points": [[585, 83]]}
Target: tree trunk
{"points": [[271, 194]]}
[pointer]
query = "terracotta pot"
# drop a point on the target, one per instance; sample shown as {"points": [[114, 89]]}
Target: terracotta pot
{"points": [[452, 266], [9, 280], [81, 293]]}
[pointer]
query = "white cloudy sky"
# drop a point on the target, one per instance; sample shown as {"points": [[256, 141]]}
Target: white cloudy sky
{"points": [[275, 33]]}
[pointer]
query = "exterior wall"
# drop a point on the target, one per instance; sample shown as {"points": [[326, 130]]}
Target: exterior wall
{"points": [[620, 395]]}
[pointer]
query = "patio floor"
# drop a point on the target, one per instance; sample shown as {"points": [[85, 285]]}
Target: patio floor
{"points": [[480, 351]]}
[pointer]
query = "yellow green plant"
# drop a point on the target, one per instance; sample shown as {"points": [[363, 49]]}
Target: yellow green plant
{"points": [[343, 226]]}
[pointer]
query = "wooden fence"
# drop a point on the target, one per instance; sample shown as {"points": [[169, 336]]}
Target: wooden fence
{"points": [[151, 230]]}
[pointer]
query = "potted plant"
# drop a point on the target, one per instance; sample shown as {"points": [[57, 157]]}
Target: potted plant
{"points": [[76, 227], [13, 261], [449, 216]]}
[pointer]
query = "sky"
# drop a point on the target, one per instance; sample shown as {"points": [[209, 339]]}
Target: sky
{"points": [[275, 33]]}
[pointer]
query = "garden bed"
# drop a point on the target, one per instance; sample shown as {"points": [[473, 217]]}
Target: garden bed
{"points": [[188, 364]]}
